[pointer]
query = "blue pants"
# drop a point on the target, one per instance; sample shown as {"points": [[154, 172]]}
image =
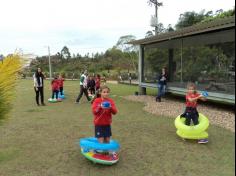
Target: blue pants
{"points": [[55, 92], [161, 90]]}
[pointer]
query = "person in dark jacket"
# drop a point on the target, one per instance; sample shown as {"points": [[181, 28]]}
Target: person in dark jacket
{"points": [[91, 85], [162, 79], [38, 86]]}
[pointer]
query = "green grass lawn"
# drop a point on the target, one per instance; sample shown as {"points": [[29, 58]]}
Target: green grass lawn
{"points": [[40, 141]]}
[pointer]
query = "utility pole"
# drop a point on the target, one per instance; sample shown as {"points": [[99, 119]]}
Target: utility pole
{"points": [[49, 60], [157, 4], [181, 56]]}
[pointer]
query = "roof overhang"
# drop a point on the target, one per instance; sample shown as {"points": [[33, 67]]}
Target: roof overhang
{"points": [[200, 28]]}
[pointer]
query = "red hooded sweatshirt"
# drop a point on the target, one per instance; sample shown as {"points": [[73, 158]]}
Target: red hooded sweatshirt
{"points": [[61, 82], [97, 83], [55, 85], [103, 116]]}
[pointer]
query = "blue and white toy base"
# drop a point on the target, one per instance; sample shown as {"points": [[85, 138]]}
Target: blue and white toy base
{"points": [[90, 145], [61, 96], [54, 100]]}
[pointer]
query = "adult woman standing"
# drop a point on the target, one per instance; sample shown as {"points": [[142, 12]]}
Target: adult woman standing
{"points": [[38, 86], [162, 79]]}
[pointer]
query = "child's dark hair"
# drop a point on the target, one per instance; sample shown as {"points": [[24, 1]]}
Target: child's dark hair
{"points": [[55, 78]]}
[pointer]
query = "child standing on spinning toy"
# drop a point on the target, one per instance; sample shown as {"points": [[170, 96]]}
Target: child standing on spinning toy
{"points": [[191, 113], [61, 84], [55, 87], [103, 108]]}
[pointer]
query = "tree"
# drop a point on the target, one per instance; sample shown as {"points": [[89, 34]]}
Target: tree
{"points": [[219, 14], [78, 56], [107, 64], [191, 18], [65, 53], [114, 54], [160, 28], [169, 28], [149, 34], [123, 45], [59, 54]]}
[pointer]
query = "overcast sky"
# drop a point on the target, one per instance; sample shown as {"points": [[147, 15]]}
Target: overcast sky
{"points": [[85, 25]]}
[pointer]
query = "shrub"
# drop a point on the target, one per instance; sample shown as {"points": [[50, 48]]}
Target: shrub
{"points": [[9, 69]]}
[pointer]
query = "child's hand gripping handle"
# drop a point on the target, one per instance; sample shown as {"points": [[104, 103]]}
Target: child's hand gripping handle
{"points": [[205, 93], [106, 105]]}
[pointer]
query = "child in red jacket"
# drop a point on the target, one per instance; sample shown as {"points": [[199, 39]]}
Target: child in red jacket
{"points": [[103, 108], [61, 84], [191, 113], [55, 87], [97, 82]]}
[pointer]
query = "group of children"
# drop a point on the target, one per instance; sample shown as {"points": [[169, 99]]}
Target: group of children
{"points": [[57, 86], [88, 86], [97, 95], [103, 115]]}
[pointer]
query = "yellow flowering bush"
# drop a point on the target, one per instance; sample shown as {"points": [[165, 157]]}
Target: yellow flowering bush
{"points": [[9, 69]]}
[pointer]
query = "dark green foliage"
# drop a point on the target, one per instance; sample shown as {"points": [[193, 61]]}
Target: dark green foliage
{"points": [[112, 59], [190, 18], [219, 14]]}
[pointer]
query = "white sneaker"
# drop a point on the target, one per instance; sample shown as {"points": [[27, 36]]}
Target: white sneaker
{"points": [[202, 141]]}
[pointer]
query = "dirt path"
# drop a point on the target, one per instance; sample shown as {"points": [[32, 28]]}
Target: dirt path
{"points": [[172, 108]]}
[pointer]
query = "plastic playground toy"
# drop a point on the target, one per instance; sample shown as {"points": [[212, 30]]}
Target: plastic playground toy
{"points": [[91, 96], [61, 96], [90, 147], [54, 100], [106, 104], [193, 131]]}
